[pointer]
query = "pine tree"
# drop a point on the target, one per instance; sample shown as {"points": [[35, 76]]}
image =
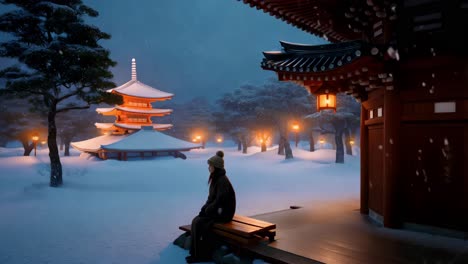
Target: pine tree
{"points": [[61, 65]]}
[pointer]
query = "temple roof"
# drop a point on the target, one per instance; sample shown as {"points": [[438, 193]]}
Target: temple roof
{"points": [[94, 144], [310, 58], [108, 126], [138, 89], [150, 140], [334, 20], [134, 110], [143, 140]]}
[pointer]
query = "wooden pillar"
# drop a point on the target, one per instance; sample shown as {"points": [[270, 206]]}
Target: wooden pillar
{"points": [[120, 155], [391, 115], [125, 156], [364, 163]]}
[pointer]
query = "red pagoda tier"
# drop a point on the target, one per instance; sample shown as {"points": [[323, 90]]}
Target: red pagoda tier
{"points": [[136, 111]]}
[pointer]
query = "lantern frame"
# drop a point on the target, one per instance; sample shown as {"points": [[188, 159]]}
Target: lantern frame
{"points": [[326, 101]]}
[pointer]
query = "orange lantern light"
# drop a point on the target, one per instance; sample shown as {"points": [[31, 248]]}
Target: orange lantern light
{"points": [[295, 127], [351, 142], [322, 141], [326, 101], [219, 140]]}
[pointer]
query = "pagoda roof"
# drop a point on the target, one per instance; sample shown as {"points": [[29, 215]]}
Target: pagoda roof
{"points": [[108, 126], [149, 140], [134, 110], [313, 58], [94, 144], [142, 140], [136, 88]]}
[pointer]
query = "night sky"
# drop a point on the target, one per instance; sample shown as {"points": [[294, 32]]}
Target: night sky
{"points": [[192, 47]]}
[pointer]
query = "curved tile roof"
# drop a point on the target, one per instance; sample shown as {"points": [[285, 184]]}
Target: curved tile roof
{"points": [[313, 58]]}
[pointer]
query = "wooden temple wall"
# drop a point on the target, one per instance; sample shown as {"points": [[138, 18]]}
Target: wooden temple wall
{"points": [[416, 166]]}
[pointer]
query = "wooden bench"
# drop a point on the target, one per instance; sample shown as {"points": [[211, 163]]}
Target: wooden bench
{"points": [[242, 230]]}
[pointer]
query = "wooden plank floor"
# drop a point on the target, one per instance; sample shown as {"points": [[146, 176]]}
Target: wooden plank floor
{"points": [[335, 232]]}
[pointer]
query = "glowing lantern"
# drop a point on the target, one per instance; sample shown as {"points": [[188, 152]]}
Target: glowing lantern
{"points": [[322, 141], [219, 140], [351, 142], [43, 142], [194, 140], [326, 101]]}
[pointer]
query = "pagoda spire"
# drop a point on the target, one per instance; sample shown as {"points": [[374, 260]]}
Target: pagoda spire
{"points": [[134, 73]]}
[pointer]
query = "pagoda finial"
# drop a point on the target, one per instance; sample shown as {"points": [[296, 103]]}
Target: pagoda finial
{"points": [[134, 74]]}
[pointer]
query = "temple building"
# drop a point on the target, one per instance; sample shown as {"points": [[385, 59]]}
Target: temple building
{"points": [[133, 133], [407, 63]]}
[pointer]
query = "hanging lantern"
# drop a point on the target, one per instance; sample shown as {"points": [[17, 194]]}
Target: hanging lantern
{"points": [[326, 101]]}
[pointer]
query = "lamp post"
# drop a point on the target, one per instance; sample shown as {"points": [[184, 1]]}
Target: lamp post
{"points": [[35, 139], [295, 128]]}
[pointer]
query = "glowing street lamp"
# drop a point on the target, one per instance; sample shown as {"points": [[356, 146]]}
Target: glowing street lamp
{"points": [[219, 140], [321, 141], [35, 139], [296, 128], [351, 142]]}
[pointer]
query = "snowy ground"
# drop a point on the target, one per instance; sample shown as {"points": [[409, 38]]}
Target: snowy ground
{"points": [[129, 212]]}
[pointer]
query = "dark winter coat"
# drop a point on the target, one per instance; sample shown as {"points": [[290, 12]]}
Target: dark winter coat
{"points": [[221, 203]]}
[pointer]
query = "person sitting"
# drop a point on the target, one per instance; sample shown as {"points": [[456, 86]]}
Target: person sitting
{"points": [[219, 208]]}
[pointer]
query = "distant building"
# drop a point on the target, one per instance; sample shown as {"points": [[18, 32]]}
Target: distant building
{"points": [[133, 132]]}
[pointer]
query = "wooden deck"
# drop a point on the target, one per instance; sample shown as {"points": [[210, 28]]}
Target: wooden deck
{"points": [[335, 232]]}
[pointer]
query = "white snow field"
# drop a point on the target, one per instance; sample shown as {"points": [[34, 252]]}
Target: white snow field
{"points": [[129, 211]]}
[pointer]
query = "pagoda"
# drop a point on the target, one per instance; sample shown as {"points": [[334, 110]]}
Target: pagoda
{"points": [[136, 110], [133, 134]]}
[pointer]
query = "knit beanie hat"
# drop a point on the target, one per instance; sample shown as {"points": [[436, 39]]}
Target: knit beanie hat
{"points": [[217, 160]]}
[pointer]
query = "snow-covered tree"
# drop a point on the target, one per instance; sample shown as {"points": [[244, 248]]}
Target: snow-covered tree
{"points": [[73, 125], [339, 123], [189, 118], [17, 124], [61, 65], [255, 111]]}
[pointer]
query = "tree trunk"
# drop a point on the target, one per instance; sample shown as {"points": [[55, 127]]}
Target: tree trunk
{"points": [[349, 149], [67, 148], [264, 147], [339, 146], [288, 150], [55, 165], [311, 142], [61, 143], [27, 147], [239, 145], [281, 146], [244, 145]]}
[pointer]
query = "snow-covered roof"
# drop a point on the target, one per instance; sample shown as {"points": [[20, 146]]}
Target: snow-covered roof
{"points": [[148, 139], [104, 125], [94, 144], [134, 110], [138, 89]]}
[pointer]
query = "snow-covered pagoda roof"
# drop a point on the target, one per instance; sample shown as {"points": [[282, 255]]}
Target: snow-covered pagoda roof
{"points": [[148, 139], [145, 139], [94, 144], [134, 110], [136, 88]]}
